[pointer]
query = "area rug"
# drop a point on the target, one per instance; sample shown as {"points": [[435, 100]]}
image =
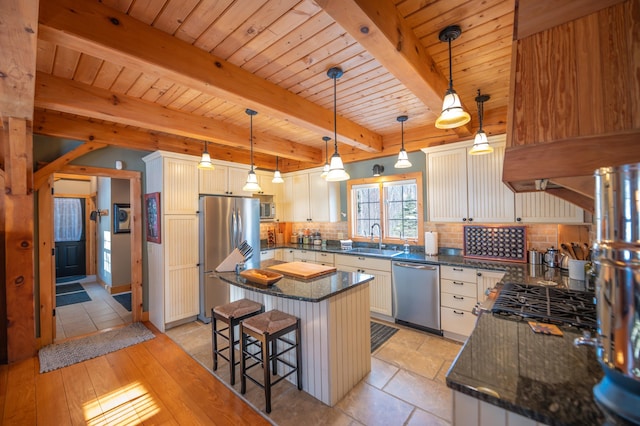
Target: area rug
{"points": [[380, 333], [64, 354], [68, 288], [72, 298], [124, 299]]}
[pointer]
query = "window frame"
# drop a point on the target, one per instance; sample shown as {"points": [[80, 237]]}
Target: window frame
{"points": [[417, 176]]}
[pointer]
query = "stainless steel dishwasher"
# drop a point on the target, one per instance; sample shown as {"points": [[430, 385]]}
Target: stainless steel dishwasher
{"points": [[416, 295]]}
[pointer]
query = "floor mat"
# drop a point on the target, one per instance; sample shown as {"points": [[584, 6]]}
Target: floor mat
{"points": [[380, 333], [69, 279], [69, 288], [64, 354], [124, 299], [72, 298]]}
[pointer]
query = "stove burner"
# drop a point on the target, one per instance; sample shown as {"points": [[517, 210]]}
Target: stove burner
{"points": [[546, 304]]}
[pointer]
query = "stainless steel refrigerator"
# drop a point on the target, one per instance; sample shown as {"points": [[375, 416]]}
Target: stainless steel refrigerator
{"points": [[225, 222]]}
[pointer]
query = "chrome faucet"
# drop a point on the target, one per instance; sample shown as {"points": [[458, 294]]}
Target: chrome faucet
{"points": [[379, 234]]}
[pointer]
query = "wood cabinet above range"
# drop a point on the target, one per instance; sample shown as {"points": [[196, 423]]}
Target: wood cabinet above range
{"points": [[575, 99]]}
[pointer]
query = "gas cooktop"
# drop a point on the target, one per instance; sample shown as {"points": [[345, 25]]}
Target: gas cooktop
{"points": [[546, 304]]}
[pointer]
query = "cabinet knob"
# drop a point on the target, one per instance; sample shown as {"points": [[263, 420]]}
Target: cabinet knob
{"points": [[479, 274], [518, 219], [470, 219], [464, 219]]}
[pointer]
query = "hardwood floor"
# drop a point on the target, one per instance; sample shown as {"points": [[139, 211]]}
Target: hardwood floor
{"points": [[154, 382]]}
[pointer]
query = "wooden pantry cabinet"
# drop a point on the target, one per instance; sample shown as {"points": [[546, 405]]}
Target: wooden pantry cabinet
{"points": [[173, 264]]}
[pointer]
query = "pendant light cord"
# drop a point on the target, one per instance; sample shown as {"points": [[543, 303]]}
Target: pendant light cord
{"points": [[450, 72], [251, 137], [335, 114], [402, 131], [480, 110]]}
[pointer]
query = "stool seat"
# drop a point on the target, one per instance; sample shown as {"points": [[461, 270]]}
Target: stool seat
{"points": [[263, 340], [269, 322], [230, 314], [237, 309]]}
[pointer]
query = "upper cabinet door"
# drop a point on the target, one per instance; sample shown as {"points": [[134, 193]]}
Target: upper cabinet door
{"points": [[237, 179], [540, 207], [489, 199], [300, 198], [214, 181], [180, 189], [447, 184]]}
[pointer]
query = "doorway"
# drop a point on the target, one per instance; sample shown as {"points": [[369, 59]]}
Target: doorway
{"points": [[48, 262], [70, 237]]}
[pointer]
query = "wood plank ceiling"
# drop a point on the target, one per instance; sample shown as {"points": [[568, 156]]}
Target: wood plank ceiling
{"points": [[170, 74]]}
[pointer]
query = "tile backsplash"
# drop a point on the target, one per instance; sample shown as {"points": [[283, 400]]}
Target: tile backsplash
{"points": [[539, 236]]}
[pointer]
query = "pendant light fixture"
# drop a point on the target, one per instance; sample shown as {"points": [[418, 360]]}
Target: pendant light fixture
{"points": [[480, 143], [205, 161], [325, 170], [336, 168], [277, 177], [252, 179], [403, 159], [453, 115]]}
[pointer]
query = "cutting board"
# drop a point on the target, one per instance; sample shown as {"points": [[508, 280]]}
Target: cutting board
{"points": [[303, 270]]}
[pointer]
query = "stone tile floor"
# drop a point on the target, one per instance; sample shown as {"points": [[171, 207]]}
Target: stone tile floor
{"points": [[100, 313], [406, 385]]}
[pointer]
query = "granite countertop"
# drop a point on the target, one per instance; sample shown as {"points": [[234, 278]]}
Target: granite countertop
{"points": [[542, 377], [312, 290]]}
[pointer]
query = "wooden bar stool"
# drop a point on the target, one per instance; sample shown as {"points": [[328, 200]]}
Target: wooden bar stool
{"points": [[259, 336], [231, 314]]}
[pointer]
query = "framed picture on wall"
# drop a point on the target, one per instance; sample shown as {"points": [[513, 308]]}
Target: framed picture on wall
{"points": [[121, 218], [152, 208]]}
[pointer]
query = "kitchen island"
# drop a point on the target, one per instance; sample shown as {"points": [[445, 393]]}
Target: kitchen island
{"points": [[334, 316]]}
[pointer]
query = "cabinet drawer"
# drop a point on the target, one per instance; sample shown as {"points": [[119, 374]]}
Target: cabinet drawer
{"points": [[267, 254], [458, 273], [457, 321], [325, 258], [362, 262], [457, 302], [304, 255], [459, 287]]}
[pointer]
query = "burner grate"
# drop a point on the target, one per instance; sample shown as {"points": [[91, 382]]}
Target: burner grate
{"points": [[546, 304]]}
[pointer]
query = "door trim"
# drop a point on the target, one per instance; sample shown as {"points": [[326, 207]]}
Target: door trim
{"points": [[46, 244]]}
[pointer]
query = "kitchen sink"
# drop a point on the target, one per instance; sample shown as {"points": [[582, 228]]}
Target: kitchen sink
{"points": [[371, 251]]}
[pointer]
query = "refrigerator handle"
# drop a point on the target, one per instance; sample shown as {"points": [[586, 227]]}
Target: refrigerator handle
{"points": [[240, 229], [234, 229]]}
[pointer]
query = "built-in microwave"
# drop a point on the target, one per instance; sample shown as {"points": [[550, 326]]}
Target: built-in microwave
{"points": [[267, 207]]}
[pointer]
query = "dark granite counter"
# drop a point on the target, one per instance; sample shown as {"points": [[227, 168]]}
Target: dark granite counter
{"points": [[542, 377], [313, 290]]}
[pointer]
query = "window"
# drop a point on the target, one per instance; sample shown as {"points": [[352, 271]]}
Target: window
{"points": [[67, 214], [393, 202]]}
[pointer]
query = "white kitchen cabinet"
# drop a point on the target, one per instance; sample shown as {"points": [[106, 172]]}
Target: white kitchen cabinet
{"points": [[226, 179], [288, 255], [460, 289], [468, 188], [468, 410], [267, 255], [540, 207], [487, 280], [324, 258], [304, 256], [309, 198], [458, 295], [173, 264], [380, 290]]}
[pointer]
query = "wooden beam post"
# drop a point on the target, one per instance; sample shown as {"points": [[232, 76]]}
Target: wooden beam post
{"points": [[19, 224]]}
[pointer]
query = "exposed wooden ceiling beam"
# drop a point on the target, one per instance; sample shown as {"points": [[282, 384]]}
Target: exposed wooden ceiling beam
{"points": [[100, 31], [18, 38], [41, 176], [71, 127], [69, 96], [379, 28]]}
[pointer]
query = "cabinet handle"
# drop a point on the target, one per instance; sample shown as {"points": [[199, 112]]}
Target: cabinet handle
{"points": [[458, 313], [361, 258], [458, 297], [458, 269], [457, 283]]}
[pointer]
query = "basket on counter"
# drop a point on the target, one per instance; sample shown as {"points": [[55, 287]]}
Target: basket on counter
{"points": [[504, 243]]}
